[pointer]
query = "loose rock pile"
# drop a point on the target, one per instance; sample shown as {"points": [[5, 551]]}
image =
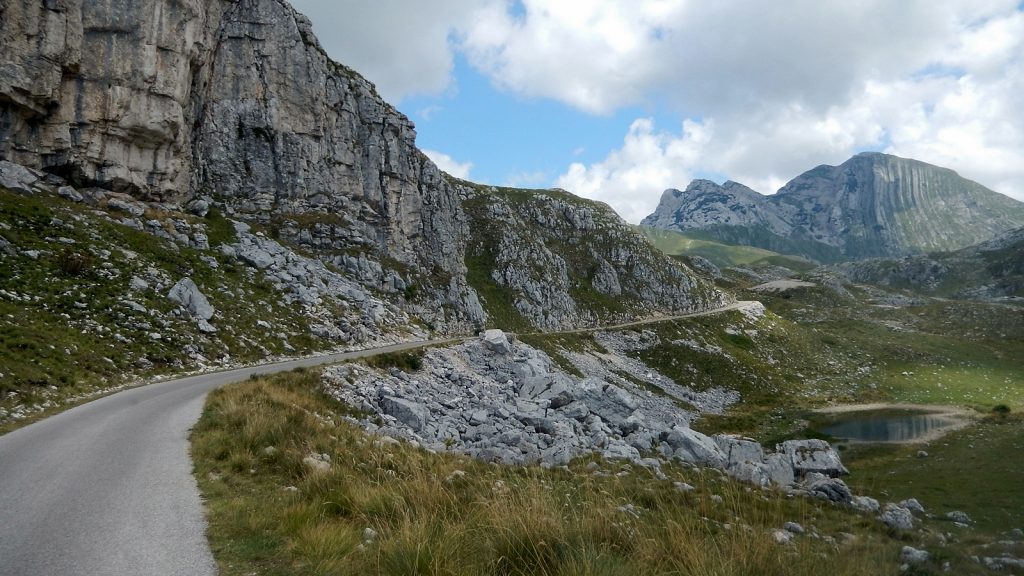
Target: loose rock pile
{"points": [[504, 401]]}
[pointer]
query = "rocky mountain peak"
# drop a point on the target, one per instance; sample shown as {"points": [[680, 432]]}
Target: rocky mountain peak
{"points": [[873, 204]]}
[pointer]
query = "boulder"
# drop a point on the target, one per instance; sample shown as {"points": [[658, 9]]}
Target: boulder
{"points": [[17, 178], [865, 504], [188, 295], [958, 516], [807, 456], [693, 447], [317, 462], [576, 411], [613, 404], [255, 256], [69, 193], [496, 341], [912, 556], [832, 489], [897, 517], [739, 450], [559, 394], [913, 505], [751, 473], [412, 414], [779, 469]]}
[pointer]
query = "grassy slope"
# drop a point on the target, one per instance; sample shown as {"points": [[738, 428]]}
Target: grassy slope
{"points": [[941, 352], [817, 349], [722, 255], [491, 520], [62, 339]]}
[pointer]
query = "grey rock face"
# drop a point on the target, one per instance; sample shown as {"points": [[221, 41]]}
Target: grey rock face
{"points": [[175, 100], [565, 262], [813, 455], [187, 294], [897, 517], [237, 103], [871, 205], [705, 204], [412, 414], [496, 341]]}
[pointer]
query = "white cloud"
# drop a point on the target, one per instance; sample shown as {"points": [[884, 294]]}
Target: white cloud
{"points": [[526, 179], [949, 95], [770, 89], [647, 161], [449, 164], [404, 47]]}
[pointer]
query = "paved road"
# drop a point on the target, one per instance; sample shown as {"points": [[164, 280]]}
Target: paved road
{"points": [[106, 488]]}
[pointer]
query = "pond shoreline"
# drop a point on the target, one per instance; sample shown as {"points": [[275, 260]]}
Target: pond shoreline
{"points": [[958, 416]]}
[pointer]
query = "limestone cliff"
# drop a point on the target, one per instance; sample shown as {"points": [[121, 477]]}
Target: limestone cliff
{"points": [[234, 103], [871, 205]]}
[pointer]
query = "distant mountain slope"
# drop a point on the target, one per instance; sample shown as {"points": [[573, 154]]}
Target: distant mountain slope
{"points": [[872, 205], [722, 255], [992, 269]]}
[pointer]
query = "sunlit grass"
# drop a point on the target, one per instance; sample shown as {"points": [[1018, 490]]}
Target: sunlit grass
{"points": [[444, 514]]}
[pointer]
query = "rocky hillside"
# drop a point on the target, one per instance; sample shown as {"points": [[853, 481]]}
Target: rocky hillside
{"points": [[191, 104], [872, 205], [990, 270], [552, 260]]}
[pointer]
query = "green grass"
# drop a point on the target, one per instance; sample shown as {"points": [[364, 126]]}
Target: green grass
{"points": [[722, 255], [941, 352], [488, 520], [66, 327], [976, 470], [404, 361]]}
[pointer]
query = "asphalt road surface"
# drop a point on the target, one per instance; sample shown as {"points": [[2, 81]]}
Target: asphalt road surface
{"points": [[106, 488]]}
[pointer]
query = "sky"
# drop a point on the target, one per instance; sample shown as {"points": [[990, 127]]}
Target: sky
{"points": [[617, 100]]}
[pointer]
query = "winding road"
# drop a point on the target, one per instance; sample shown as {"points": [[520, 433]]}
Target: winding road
{"points": [[106, 488]]}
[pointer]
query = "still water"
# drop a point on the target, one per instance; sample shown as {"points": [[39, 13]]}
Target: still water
{"points": [[885, 426]]}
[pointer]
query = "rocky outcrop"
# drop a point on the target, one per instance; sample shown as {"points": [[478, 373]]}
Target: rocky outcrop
{"points": [[503, 401], [552, 260], [871, 205], [235, 105]]}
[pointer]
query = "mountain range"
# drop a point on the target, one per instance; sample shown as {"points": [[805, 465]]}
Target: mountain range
{"points": [[872, 205], [235, 105]]}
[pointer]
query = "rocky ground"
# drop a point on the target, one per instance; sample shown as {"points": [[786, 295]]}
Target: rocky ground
{"points": [[503, 401]]}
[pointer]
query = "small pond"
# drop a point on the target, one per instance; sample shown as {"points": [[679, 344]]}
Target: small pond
{"points": [[884, 425]]}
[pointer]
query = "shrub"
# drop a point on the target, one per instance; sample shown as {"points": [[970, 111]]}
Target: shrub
{"points": [[404, 361], [73, 263]]}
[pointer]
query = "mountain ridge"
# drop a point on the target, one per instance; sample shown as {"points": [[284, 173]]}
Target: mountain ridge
{"points": [[872, 205]]}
